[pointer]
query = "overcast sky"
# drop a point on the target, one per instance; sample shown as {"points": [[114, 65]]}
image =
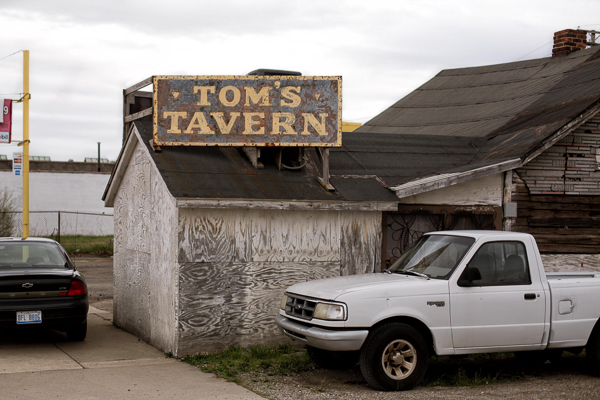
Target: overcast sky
{"points": [[84, 53]]}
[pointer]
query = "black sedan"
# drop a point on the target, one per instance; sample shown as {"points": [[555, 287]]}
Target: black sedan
{"points": [[40, 287]]}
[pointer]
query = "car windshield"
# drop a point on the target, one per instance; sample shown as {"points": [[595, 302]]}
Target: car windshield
{"points": [[25, 254], [433, 256]]}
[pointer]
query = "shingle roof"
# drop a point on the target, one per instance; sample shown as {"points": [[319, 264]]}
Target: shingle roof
{"points": [[471, 117], [225, 173]]}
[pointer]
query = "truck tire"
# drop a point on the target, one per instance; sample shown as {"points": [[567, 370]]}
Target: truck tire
{"points": [[333, 359], [394, 357], [592, 352]]}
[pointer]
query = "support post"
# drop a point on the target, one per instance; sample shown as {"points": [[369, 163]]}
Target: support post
{"points": [[325, 179], [26, 144], [98, 156]]}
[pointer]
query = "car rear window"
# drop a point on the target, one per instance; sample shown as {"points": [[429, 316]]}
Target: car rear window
{"points": [[31, 254]]}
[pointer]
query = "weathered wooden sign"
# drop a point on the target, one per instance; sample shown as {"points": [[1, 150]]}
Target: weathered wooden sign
{"points": [[247, 110]]}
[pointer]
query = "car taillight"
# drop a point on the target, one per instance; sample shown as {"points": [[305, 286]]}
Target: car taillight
{"points": [[77, 289]]}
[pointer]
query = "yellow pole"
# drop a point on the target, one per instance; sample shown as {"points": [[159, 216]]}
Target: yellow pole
{"points": [[26, 144]]}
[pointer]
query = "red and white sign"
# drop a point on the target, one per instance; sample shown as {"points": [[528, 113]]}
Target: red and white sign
{"points": [[5, 121]]}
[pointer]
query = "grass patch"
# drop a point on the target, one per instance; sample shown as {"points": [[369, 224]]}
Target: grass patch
{"points": [[80, 244], [272, 360]]}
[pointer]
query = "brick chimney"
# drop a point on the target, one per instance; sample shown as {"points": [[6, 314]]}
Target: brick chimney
{"points": [[568, 41]]}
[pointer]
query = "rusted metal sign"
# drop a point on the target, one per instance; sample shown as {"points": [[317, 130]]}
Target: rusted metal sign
{"points": [[247, 110]]}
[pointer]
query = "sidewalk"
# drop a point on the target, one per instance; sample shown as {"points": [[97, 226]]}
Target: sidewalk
{"points": [[109, 364]]}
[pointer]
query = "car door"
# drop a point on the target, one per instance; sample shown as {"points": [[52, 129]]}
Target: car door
{"points": [[506, 306]]}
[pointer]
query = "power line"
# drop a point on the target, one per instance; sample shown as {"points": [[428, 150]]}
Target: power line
{"points": [[542, 46], [10, 55]]}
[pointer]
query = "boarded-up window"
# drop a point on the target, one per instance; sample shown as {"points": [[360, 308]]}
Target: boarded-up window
{"points": [[404, 228]]}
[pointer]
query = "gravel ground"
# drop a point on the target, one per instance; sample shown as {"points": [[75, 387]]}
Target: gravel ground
{"points": [[566, 381]]}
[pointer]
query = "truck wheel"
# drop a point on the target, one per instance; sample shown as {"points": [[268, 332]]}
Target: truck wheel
{"points": [[592, 352], [333, 359], [394, 357]]}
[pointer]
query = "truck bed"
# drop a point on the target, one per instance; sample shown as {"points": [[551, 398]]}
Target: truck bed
{"points": [[574, 309]]}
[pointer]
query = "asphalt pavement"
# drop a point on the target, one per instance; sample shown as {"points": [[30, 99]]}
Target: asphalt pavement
{"points": [[109, 364]]}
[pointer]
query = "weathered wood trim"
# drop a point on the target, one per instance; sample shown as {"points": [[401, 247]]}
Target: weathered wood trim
{"points": [[444, 180], [138, 115], [140, 93], [288, 204], [507, 198], [120, 167], [138, 86], [564, 131]]}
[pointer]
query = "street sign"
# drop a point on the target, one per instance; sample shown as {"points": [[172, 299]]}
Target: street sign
{"points": [[18, 164], [5, 121], [247, 110]]}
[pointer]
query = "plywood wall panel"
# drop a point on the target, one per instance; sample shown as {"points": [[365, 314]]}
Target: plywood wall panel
{"points": [[207, 235], [163, 268], [360, 242], [235, 304], [295, 236], [145, 263]]}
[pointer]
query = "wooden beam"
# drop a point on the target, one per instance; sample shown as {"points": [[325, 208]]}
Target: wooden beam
{"points": [[147, 95], [288, 204], [138, 115], [444, 180], [325, 179], [138, 86]]}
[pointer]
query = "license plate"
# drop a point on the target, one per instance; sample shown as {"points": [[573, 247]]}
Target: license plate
{"points": [[29, 317]]}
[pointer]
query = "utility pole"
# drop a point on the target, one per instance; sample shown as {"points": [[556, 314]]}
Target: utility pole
{"points": [[25, 142], [98, 156]]}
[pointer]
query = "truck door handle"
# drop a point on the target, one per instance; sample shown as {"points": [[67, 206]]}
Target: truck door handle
{"points": [[529, 296]]}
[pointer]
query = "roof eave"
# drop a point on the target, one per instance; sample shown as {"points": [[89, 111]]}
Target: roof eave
{"points": [[185, 202], [443, 180], [120, 167]]}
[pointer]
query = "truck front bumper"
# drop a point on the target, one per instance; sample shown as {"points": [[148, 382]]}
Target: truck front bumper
{"points": [[321, 338]]}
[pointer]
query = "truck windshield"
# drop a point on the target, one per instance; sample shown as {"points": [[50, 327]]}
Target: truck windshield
{"points": [[433, 255]]}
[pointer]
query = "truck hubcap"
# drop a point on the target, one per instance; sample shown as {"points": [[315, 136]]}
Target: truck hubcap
{"points": [[399, 359]]}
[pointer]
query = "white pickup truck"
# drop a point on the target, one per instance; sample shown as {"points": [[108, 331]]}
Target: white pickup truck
{"points": [[450, 293]]}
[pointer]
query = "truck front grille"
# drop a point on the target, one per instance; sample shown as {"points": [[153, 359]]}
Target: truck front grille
{"points": [[299, 307]]}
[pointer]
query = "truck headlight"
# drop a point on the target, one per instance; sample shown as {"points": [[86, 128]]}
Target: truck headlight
{"points": [[283, 302], [332, 312]]}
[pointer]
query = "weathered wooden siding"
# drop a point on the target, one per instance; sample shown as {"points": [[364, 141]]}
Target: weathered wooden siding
{"points": [[549, 218], [558, 194], [295, 236], [144, 259], [236, 264], [226, 304], [570, 167], [360, 242]]}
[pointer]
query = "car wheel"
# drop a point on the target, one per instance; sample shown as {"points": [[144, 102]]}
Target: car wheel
{"points": [[77, 333], [333, 359], [394, 357]]}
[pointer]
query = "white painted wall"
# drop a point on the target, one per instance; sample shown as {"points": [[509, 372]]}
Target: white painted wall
{"points": [[482, 191], [59, 191], [62, 191]]}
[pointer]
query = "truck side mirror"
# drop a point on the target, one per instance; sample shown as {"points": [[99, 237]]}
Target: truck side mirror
{"points": [[469, 275]]}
